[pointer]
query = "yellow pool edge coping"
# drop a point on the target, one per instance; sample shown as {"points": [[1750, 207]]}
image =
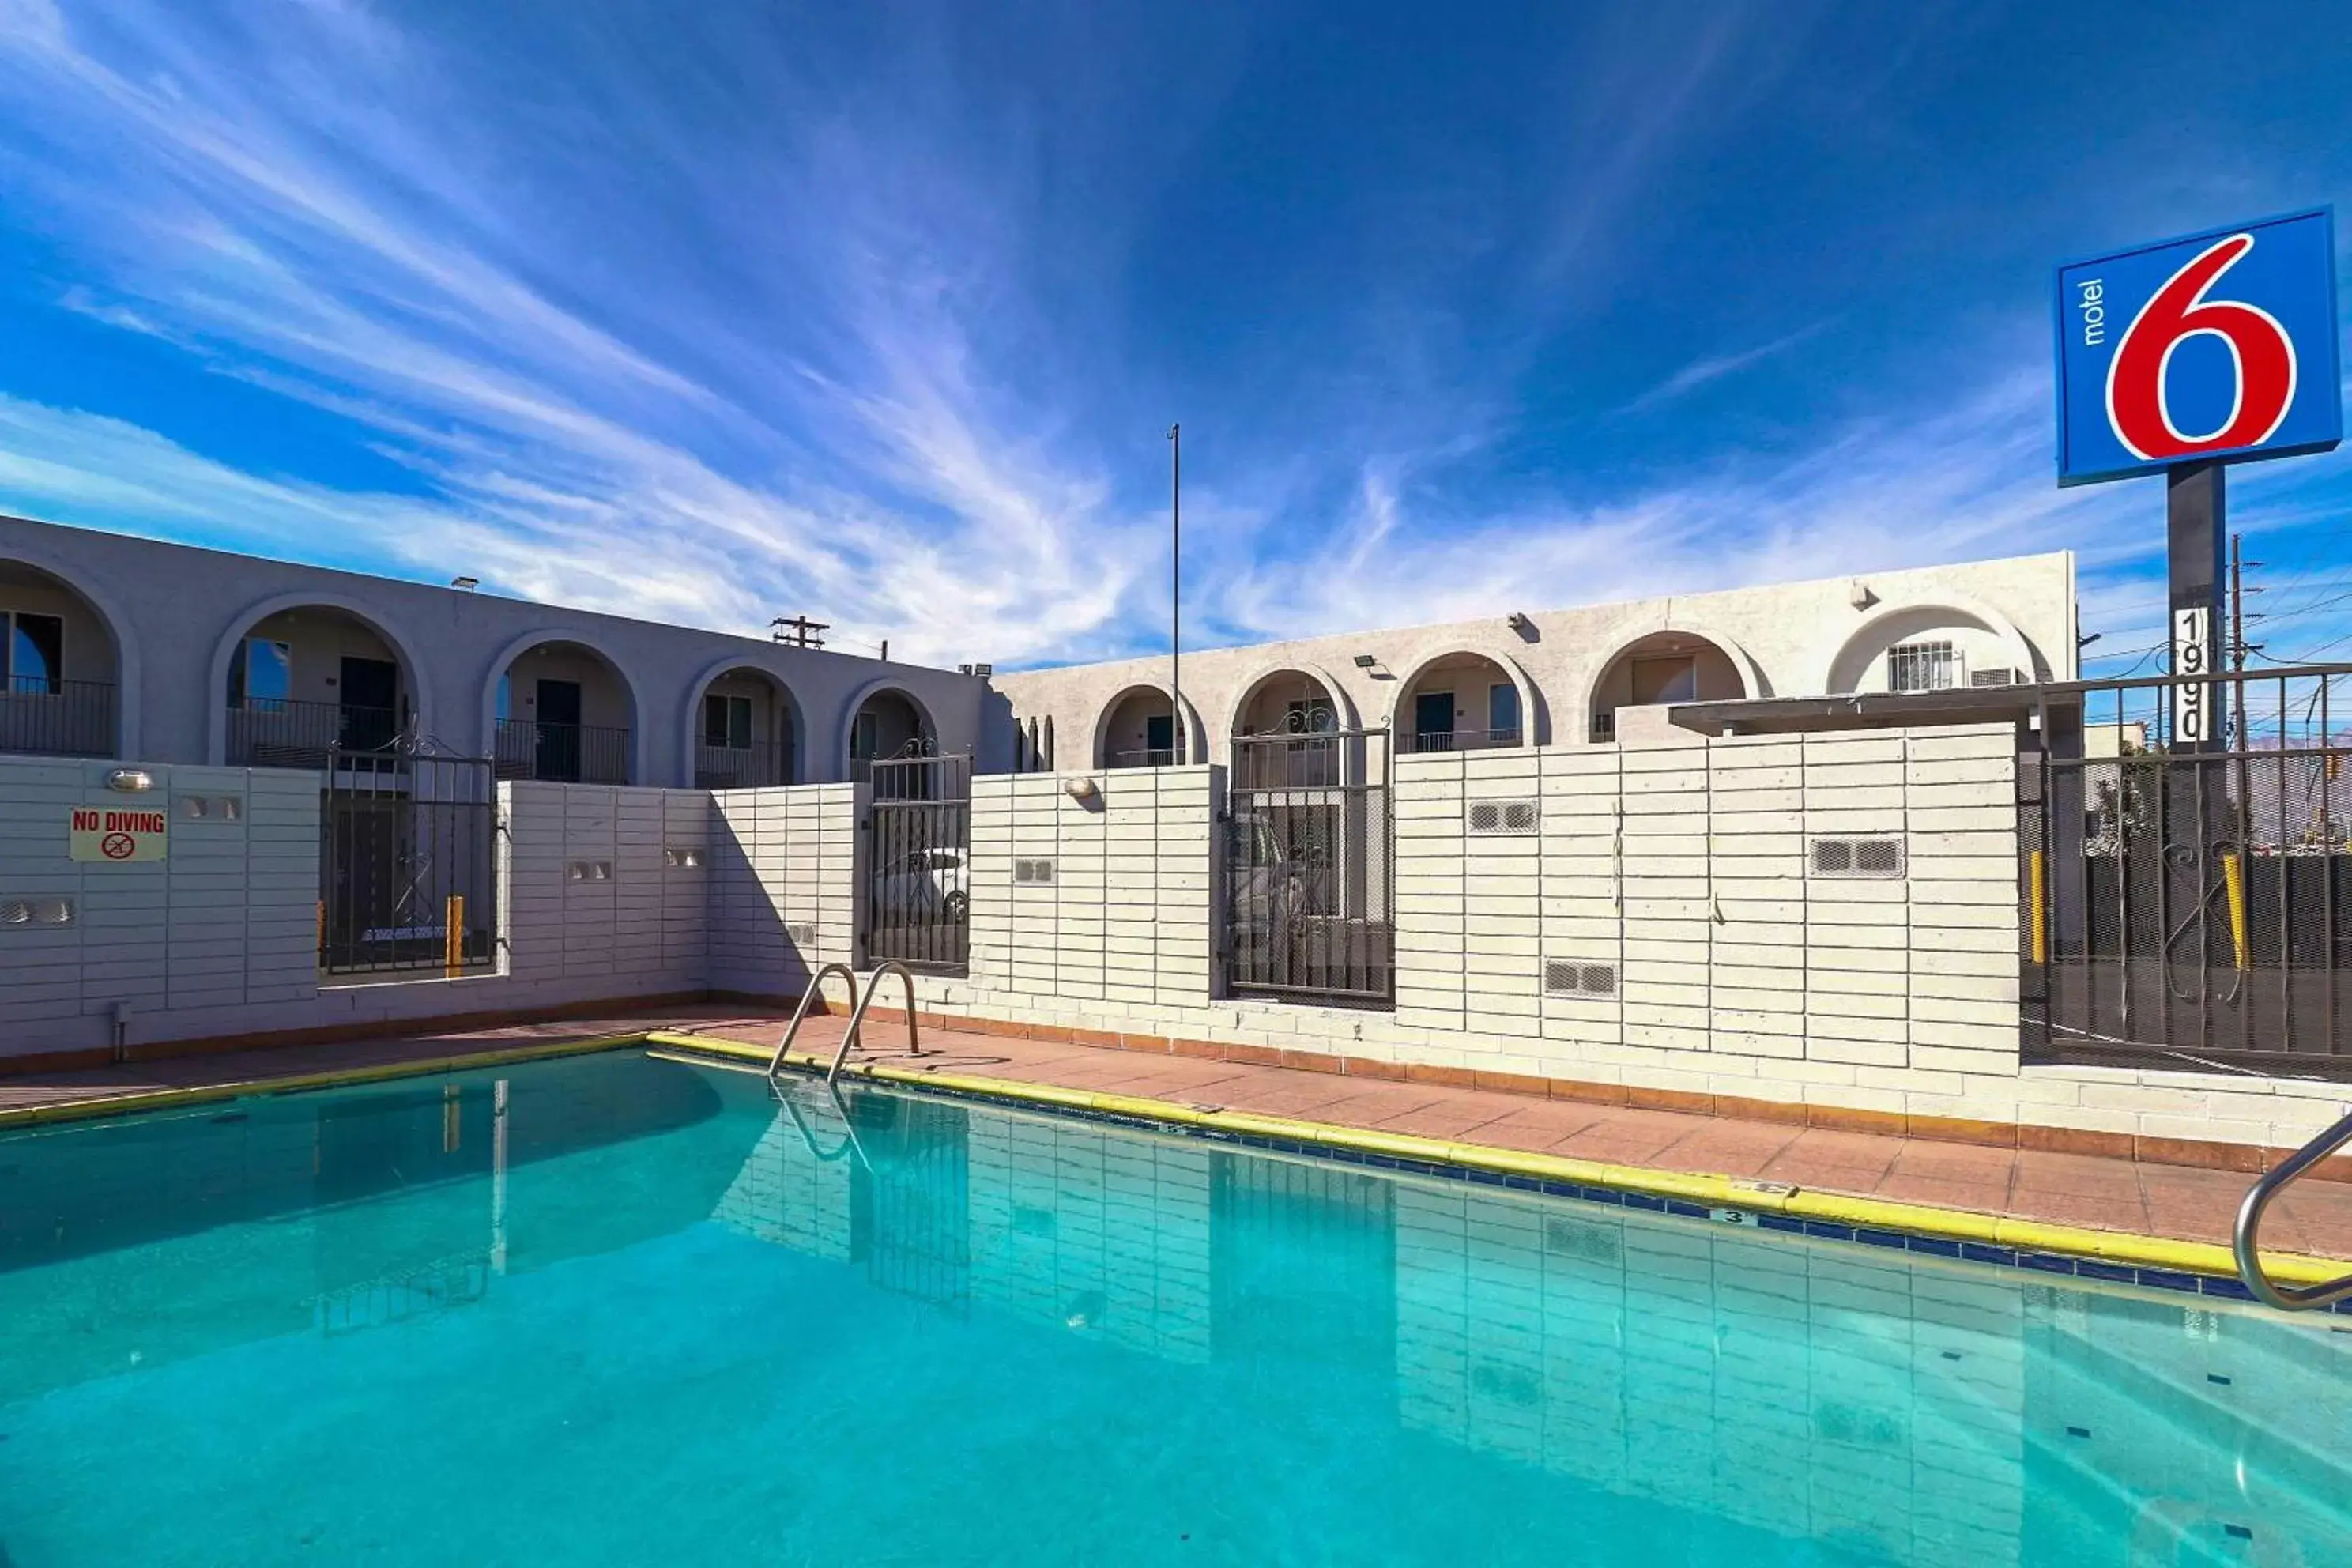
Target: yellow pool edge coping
{"points": [[2123, 1248]]}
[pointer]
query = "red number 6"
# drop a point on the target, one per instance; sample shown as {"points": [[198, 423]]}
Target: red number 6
{"points": [[2264, 356]]}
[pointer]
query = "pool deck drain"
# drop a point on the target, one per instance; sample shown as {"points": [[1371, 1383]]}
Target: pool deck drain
{"points": [[2105, 1211]]}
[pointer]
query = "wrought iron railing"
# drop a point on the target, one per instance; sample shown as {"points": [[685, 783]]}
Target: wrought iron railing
{"points": [[1149, 757], [2185, 872], [1287, 761], [279, 732], [918, 903], [742, 767], [561, 753], [1458, 740], [57, 717]]}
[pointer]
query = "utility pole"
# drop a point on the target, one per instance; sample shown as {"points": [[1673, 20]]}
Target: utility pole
{"points": [[1176, 593]]}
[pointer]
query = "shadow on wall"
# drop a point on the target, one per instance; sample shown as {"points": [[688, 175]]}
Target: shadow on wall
{"points": [[763, 911]]}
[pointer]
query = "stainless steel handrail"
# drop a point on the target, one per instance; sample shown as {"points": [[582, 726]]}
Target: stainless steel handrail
{"points": [[2245, 1240], [808, 999], [857, 1017]]}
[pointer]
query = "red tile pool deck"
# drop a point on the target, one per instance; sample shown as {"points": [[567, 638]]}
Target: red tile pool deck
{"points": [[2096, 1192]]}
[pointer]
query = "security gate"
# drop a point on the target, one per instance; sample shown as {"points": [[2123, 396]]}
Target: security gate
{"points": [[1309, 900], [918, 900], [2185, 907], [408, 862]]}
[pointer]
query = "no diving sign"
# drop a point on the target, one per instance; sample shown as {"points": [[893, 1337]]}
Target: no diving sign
{"points": [[113, 834]]}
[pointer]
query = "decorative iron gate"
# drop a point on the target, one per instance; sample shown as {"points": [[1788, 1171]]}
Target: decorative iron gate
{"points": [[408, 862], [1309, 894], [2191, 907], [918, 901]]}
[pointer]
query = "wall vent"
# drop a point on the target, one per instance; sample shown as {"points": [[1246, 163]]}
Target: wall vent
{"points": [[1992, 677], [803, 935], [1503, 816], [1878, 857], [212, 807], [684, 856], [1562, 978], [590, 870], [18, 914], [1033, 871]]}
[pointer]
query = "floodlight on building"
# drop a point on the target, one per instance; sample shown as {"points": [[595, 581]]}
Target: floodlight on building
{"points": [[1366, 660], [131, 781], [465, 585]]}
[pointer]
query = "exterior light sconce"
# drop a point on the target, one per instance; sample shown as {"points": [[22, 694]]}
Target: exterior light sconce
{"points": [[465, 585], [131, 781], [1081, 789], [1366, 660], [1523, 626], [1858, 595]]}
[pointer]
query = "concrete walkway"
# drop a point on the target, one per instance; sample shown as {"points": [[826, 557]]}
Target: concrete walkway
{"points": [[2175, 1201]]}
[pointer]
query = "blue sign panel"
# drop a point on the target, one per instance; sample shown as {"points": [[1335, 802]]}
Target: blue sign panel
{"points": [[2221, 345]]}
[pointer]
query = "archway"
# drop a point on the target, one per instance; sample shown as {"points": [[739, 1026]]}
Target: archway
{"points": [[1925, 647], [1461, 702], [61, 668], [302, 677], [742, 730], [561, 711], [1663, 667], [1294, 729], [884, 721], [1139, 730]]}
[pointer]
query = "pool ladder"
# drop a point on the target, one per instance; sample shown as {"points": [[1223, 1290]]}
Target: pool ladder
{"points": [[2244, 1240], [858, 1003]]}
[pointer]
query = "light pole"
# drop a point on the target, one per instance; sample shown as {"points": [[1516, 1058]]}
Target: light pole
{"points": [[1176, 593]]}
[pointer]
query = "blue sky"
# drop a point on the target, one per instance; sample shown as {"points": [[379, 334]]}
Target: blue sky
{"points": [[719, 312]]}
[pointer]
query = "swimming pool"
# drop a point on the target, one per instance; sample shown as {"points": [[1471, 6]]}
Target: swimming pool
{"points": [[623, 1310]]}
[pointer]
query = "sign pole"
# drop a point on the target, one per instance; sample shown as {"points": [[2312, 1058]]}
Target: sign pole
{"points": [[2196, 524]]}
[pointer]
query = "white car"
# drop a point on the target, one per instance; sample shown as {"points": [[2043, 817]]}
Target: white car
{"points": [[924, 884]]}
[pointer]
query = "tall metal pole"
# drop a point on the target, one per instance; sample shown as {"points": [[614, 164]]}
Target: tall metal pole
{"points": [[1176, 593]]}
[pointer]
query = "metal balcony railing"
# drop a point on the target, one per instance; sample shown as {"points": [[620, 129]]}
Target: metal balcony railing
{"points": [[1458, 740], [57, 717], [279, 732], [561, 753], [1153, 757], [742, 767]]}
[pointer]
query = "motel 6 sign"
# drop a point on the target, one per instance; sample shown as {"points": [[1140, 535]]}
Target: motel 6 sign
{"points": [[2220, 346]]}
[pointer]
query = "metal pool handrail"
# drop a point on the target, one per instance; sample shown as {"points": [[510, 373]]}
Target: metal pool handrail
{"points": [[2245, 1240], [857, 1017], [808, 999]]}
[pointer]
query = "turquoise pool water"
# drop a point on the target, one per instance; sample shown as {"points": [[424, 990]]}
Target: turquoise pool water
{"points": [[620, 1310]]}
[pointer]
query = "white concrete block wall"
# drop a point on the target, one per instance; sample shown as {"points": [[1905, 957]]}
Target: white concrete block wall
{"points": [[224, 929], [1121, 933], [782, 860], [639, 928]]}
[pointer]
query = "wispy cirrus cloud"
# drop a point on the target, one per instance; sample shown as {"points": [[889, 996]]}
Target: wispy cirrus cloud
{"points": [[1714, 367]]}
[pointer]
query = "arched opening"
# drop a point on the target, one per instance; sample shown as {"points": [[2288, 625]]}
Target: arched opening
{"points": [[1660, 668], [563, 712], [306, 680], [745, 736], [1459, 702], [1929, 648], [889, 723], [1140, 729], [1287, 734], [60, 668]]}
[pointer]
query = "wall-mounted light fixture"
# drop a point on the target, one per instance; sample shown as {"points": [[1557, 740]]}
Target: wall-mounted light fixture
{"points": [[1519, 623], [1081, 789], [465, 585], [1366, 660], [131, 781], [1858, 595]]}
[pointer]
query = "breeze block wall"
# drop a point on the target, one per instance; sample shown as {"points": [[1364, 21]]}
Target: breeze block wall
{"points": [[783, 881], [1117, 937]]}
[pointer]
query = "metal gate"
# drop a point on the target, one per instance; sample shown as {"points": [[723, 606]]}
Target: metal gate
{"points": [[918, 901], [2189, 907], [408, 862], [1309, 894]]}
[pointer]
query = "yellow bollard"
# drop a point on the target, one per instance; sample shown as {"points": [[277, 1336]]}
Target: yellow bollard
{"points": [[2038, 913], [2233, 877], [453, 936]]}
